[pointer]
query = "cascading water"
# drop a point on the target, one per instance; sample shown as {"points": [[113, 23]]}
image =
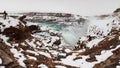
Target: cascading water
{"points": [[70, 33]]}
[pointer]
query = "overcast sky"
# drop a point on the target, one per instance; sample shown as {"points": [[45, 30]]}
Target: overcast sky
{"points": [[82, 7]]}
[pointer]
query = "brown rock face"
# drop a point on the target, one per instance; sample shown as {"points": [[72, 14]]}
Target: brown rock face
{"points": [[22, 19], [111, 62], [105, 44], [7, 57], [33, 28], [15, 34], [117, 10], [57, 42]]}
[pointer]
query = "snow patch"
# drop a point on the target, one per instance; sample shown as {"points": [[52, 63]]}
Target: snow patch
{"points": [[18, 56], [117, 66], [45, 54], [2, 66], [0, 61], [31, 57], [67, 50], [32, 52], [5, 39], [94, 42], [57, 66], [8, 22], [69, 60], [42, 66]]}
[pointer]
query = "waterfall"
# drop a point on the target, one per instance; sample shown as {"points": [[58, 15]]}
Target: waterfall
{"points": [[71, 34]]}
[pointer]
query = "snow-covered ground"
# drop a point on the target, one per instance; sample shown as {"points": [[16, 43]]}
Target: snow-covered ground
{"points": [[58, 46]]}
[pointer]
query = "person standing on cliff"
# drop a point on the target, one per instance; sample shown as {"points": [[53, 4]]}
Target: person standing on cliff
{"points": [[5, 14]]}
